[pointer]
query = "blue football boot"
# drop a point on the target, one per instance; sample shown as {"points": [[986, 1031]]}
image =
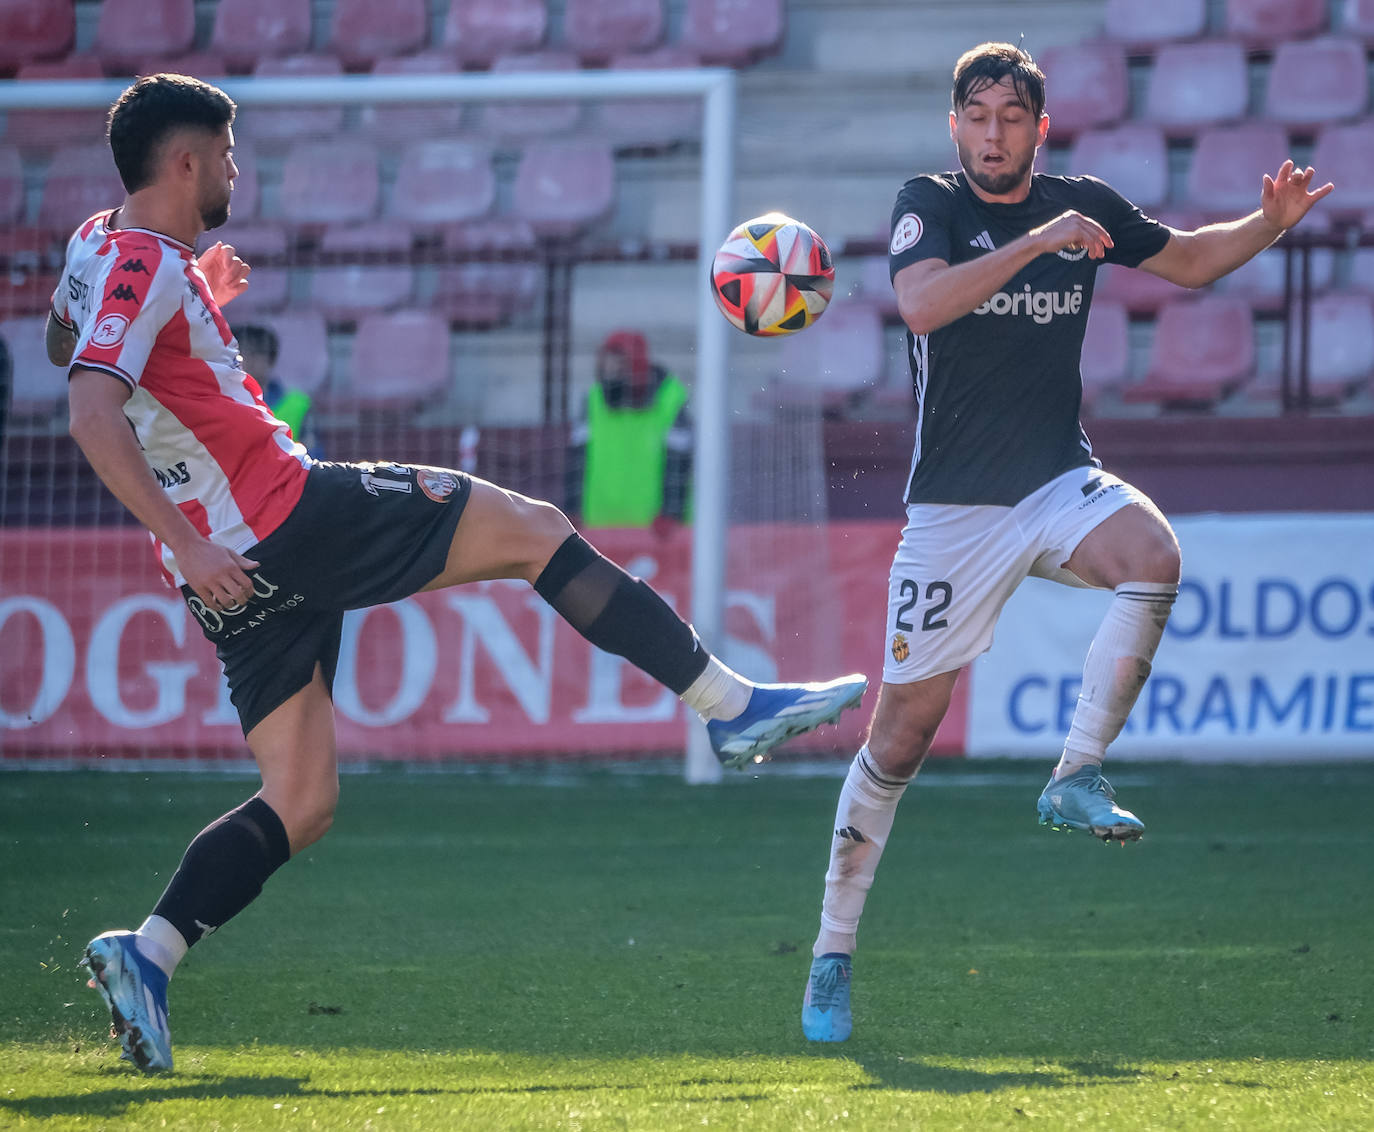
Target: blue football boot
{"points": [[825, 1009], [135, 990], [780, 711], [1084, 800]]}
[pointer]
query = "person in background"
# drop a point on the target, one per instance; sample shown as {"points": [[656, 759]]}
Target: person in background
{"points": [[630, 461], [258, 347]]}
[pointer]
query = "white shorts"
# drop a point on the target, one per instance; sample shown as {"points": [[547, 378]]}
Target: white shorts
{"points": [[957, 565]]}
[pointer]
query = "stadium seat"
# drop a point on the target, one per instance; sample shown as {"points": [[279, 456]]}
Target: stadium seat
{"points": [[443, 182], [303, 349], [47, 129], [732, 32], [400, 359], [499, 235], [286, 125], [1106, 350], [1345, 156], [841, 357], [1316, 81], [528, 118], [1260, 281], [402, 121], [32, 266], [363, 31], [201, 64], [1086, 86], [1138, 291], [652, 121], [1203, 349], [1357, 19], [1340, 352], [1228, 164], [11, 186], [130, 32], [1131, 158], [1143, 27], [80, 181], [1191, 85], [246, 31], [1362, 270], [1265, 23], [498, 276], [598, 30], [383, 279], [480, 31], [31, 30], [560, 187], [39, 387], [330, 181], [257, 245]]}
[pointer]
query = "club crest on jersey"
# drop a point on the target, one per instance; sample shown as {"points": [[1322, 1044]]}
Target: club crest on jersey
{"points": [[906, 233], [901, 649], [109, 331], [437, 483], [1073, 255]]}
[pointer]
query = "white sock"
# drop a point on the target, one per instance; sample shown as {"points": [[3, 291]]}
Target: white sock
{"points": [[863, 819], [1117, 666], [718, 693], [161, 943]]}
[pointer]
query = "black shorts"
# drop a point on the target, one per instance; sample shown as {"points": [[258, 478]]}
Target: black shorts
{"points": [[361, 534]]}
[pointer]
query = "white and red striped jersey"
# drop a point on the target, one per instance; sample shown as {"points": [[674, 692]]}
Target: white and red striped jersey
{"points": [[142, 312]]}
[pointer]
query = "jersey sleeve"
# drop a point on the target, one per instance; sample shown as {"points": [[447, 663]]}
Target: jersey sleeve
{"points": [[1135, 236], [920, 225], [136, 303]]}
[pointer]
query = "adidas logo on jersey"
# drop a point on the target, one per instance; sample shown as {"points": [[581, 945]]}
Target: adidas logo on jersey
{"points": [[984, 241], [1042, 306]]}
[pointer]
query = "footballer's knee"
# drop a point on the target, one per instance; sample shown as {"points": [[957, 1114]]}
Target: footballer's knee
{"points": [[307, 815], [1158, 558]]}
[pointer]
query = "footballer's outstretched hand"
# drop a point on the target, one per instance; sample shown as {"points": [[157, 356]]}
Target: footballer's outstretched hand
{"points": [[1287, 196], [224, 271]]}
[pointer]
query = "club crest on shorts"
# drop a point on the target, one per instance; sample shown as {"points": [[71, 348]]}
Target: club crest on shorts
{"points": [[901, 649], [437, 483]]}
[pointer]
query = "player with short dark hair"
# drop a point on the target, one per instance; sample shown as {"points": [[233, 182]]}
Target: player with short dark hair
{"points": [[993, 267], [270, 546]]}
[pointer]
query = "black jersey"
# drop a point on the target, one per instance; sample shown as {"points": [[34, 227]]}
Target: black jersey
{"points": [[998, 391]]}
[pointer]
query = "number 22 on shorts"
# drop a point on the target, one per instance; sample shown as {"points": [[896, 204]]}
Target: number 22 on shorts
{"points": [[939, 593]]}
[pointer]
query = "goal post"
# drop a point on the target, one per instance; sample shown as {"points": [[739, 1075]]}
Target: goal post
{"points": [[715, 87]]}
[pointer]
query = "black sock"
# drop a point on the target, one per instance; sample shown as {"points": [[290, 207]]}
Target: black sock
{"points": [[621, 614], [224, 869]]}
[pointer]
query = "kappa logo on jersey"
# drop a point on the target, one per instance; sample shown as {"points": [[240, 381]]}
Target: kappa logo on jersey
{"points": [[1042, 306], [437, 483], [906, 233], [122, 294], [984, 241], [133, 267], [901, 648], [109, 331]]}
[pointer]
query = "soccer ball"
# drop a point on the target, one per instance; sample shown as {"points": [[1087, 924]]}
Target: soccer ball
{"points": [[772, 276]]}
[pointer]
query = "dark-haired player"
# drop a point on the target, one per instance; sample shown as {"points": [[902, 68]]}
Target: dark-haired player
{"points": [[993, 267], [271, 547]]}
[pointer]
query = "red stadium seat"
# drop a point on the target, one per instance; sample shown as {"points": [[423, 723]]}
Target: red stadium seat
{"points": [[129, 32], [841, 357], [399, 359], [387, 280], [1203, 349], [525, 119], [1264, 23], [11, 186], [443, 182], [652, 121], [1357, 19], [1148, 25], [732, 32], [288, 124], [32, 260], [501, 235], [598, 30], [1226, 174], [39, 386], [1340, 352], [1345, 156], [399, 121], [561, 187], [1086, 86], [480, 31], [255, 244], [1131, 158], [1106, 361], [1191, 85], [330, 182], [48, 129], [201, 64], [1260, 281], [363, 31], [487, 291], [1362, 270], [246, 31], [1317, 81], [1137, 291], [80, 181], [303, 349], [35, 29]]}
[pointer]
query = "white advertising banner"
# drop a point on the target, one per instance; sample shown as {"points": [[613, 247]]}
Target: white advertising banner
{"points": [[1269, 654]]}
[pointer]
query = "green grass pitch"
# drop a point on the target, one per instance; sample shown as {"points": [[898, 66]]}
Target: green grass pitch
{"points": [[623, 951]]}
